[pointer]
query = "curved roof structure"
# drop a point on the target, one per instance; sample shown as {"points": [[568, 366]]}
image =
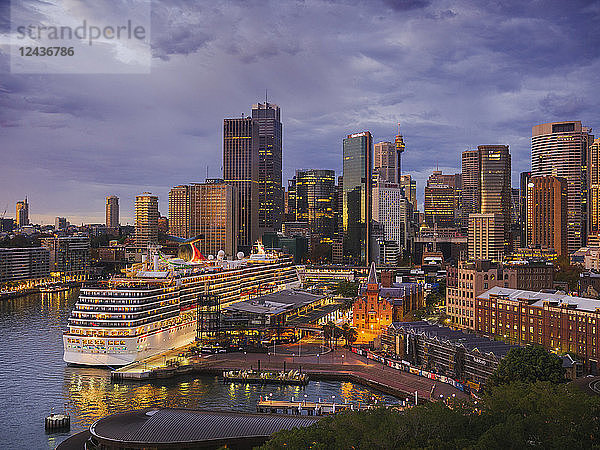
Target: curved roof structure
{"points": [[162, 427]]}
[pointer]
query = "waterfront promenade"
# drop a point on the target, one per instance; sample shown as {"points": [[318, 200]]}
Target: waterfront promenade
{"points": [[340, 364]]}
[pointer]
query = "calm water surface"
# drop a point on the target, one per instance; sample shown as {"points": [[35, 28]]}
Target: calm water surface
{"points": [[34, 379]]}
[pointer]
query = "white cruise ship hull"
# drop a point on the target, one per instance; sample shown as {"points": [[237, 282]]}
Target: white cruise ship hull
{"points": [[111, 352]]}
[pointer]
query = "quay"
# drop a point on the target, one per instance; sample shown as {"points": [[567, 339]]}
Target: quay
{"points": [[306, 408], [338, 365]]}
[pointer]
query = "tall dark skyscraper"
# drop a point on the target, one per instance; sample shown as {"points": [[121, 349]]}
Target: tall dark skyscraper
{"points": [[494, 184], [470, 184], [241, 169], [314, 200], [560, 149], [358, 151], [270, 192]]}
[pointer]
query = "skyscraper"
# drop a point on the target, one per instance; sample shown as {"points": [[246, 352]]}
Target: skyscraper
{"points": [[547, 213], [112, 211], [561, 149], [357, 150], [385, 162], [22, 213], [409, 187], [270, 191], [470, 184], [594, 182], [146, 219], [442, 198], [524, 181], [486, 236], [494, 185], [206, 210], [241, 169], [314, 200], [394, 212]]}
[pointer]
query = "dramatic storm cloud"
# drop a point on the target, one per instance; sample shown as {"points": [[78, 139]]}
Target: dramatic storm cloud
{"points": [[455, 74]]}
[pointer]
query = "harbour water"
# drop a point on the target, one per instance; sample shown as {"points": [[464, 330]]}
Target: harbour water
{"points": [[34, 380]]}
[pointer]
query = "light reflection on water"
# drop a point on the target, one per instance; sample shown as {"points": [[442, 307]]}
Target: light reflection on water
{"points": [[34, 379]]}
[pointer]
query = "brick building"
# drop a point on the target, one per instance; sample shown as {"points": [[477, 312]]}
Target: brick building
{"points": [[558, 322], [380, 304], [471, 278]]}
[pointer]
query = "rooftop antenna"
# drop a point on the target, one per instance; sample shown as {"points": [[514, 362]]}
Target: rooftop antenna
{"points": [[266, 97], [207, 171]]}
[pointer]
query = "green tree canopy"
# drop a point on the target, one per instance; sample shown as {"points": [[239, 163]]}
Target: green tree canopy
{"points": [[528, 364], [519, 415], [347, 289]]}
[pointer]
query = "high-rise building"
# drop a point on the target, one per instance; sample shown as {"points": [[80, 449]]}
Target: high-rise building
{"points": [[112, 211], [314, 200], [357, 150], [385, 163], [22, 213], [24, 263], [547, 213], [470, 184], [241, 169], [146, 219], [60, 223], [409, 187], [69, 255], [495, 185], [524, 181], [442, 199], [486, 236], [393, 211], [208, 211], [560, 149], [594, 183], [267, 116]]}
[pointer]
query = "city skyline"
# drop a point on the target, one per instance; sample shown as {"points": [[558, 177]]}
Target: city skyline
{"points": [[88, 136]]}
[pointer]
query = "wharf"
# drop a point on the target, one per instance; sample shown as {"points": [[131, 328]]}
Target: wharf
{"points": [[306, 408], [339, 365], [293, 377]]}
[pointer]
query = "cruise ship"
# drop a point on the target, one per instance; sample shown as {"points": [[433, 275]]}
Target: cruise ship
{"points": [[153, 306]]}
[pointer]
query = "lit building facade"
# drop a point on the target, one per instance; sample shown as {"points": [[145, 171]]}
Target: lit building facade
{"points": [[561, 149], [409, 186], [241, 169], [22, 213], [112, 211], [470, 279], [547, 213], [357, 152], [146, 219], [558, 322], [69, 256], [267, 117], [594, 182], [386, 162], [208, 211], [313, 200], [393, 211], [470, 184], [486, 236], [440, 204], [380, 304]]}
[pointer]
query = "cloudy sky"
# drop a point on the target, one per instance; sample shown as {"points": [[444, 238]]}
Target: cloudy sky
{"points": [[455, 74]]}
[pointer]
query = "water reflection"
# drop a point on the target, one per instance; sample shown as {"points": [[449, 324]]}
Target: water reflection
{"points": [[34, 379]]}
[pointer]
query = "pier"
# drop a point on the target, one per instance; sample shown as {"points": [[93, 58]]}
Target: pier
{"points": [[306, 408], [338, 365]]}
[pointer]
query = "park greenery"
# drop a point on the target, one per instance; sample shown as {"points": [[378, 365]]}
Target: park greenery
{"points": [[332, 334], [525, 405], [347, 289], [567, 273]]}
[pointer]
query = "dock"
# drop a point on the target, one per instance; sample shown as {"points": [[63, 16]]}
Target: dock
{"points": [[292, 377], [306, 408]]}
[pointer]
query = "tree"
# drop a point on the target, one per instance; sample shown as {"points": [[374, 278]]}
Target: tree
{"points": [[328, 332], [517, 415], [347, 289], [528, 364], [567, 272], [350, 334]]}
